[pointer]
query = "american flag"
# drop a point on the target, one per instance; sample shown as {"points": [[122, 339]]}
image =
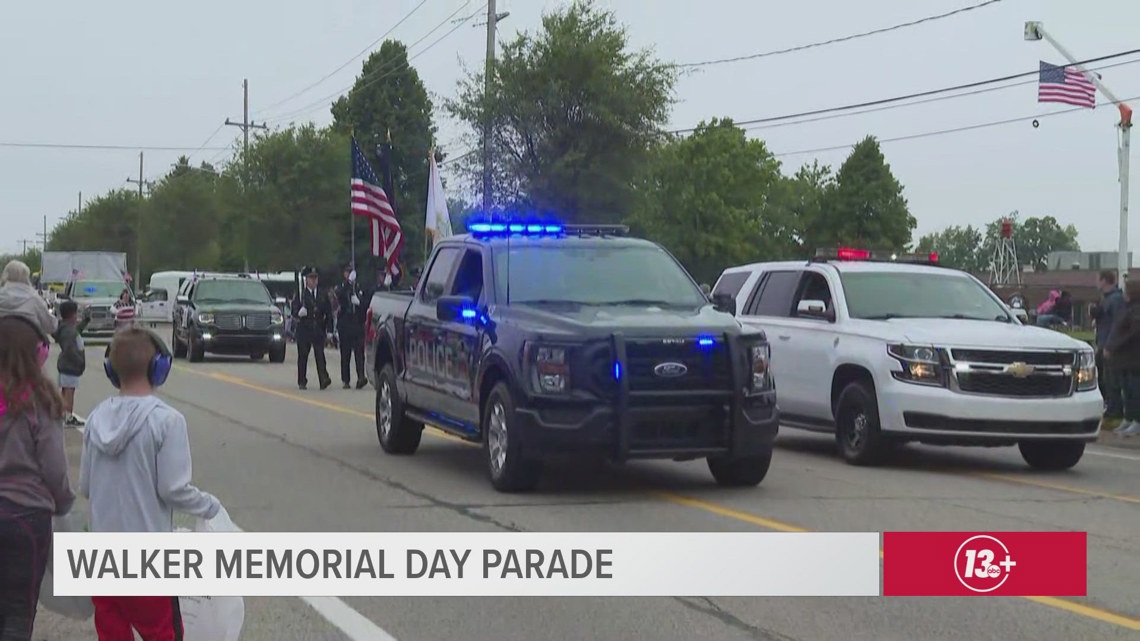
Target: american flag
{"points": [[1065, 85], [369, 200]]}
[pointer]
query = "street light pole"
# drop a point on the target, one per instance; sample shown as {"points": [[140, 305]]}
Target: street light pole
{"points": [[1036, 31]]}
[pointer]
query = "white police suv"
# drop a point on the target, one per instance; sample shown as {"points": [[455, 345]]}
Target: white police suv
{"points": [[888, 349]]}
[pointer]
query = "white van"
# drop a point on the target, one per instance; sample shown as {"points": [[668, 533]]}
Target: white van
{"points": [[156, 304]]}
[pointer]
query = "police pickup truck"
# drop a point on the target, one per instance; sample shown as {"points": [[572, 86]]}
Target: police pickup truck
{"points": [[539, 339], [883, 349]]}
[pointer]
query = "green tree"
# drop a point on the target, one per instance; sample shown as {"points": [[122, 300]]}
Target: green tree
{"points": [[805, 199], [389, 96], [868, 208], [184, 205], [957, 247], [107, 223], [706, 199], [33, 258], [573, 112], [1034, 237]]}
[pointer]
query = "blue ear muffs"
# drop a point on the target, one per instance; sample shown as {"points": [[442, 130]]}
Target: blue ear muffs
{"points": [[158, 370]]}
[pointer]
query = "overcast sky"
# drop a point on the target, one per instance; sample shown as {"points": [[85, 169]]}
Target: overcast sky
{"points": [[144, 73]]}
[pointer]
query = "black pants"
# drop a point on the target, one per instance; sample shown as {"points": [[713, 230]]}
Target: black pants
{"points": [[1130, 388], [310, 341], [25, 538], [1109, 383], [351, 344]]}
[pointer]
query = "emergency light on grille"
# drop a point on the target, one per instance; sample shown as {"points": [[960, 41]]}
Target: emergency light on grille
{"points": [[853, 254]]}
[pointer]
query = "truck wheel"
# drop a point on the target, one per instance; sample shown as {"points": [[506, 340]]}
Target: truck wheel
{"points": [[507, 466], [1051, 455], [277, 355], [744, 471], [197, 350], [179, 348], [397, 433], [857, 426]]}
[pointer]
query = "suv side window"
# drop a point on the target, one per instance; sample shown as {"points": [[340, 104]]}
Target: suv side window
{"points": [[469, 276], [813, 286], [435, 283], [731, 283], [775, 294]]}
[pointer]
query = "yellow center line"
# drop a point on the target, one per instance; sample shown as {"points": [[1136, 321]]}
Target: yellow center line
{"points": [[1080, 609], [1052, 485]]}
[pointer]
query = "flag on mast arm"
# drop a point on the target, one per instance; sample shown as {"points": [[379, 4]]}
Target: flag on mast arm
{"points": [[371, 201], [438, 222], [1065, 85]]}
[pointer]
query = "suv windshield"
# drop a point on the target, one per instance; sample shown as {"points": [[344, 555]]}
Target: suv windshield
{"points": [[232, 291], [884, 295], [97, 289], [594, 275]]}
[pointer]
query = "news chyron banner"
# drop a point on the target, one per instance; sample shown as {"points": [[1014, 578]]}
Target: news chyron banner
{"points": [[838, 564]]}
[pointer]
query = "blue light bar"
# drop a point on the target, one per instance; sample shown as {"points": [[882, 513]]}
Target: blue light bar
{"points": [[504, 229]]}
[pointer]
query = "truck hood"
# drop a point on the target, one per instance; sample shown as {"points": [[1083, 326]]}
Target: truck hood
{"points": [[965, 333], [643, 320]]}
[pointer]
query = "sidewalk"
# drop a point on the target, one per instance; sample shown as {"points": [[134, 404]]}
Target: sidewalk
{"points": [[1108, 439]]}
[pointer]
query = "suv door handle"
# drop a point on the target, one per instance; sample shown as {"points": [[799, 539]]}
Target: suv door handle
{"points": [[784, 337]]}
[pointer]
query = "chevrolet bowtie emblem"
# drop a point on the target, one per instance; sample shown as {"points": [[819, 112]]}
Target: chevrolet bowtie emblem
{"points": [[1019, 370]]}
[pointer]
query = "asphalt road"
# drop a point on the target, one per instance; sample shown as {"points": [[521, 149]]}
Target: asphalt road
{"points": [[286, 460]]}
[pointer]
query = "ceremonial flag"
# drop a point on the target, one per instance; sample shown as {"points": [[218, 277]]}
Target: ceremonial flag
{"points": [[1065, 85], [438, 222], [370, 200]]}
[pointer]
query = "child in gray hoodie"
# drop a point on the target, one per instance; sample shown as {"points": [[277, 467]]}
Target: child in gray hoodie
{"points": [[136, 472]]}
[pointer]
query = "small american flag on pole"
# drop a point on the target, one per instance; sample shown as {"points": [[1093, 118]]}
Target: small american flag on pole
{"points": [[370, 200], [1065, 85]]}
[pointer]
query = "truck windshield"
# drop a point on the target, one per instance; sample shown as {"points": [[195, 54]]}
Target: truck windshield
{"points": [[593, 275], [885, 295], [232, 291], [97, 289]]}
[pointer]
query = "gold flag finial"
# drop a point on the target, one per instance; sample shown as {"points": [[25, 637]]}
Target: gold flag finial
{"points": [[389, 136]]}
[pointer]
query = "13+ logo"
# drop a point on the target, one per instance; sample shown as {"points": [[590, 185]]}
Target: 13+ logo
{"points": [[983, 563]]}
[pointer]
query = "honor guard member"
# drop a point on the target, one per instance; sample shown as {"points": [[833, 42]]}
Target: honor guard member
{"points": [[351, 309], [314, 318]]}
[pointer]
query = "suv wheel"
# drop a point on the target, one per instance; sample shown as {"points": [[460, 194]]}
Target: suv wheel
{"points": [[507, 466], [397, 433], [857, 426], [745, 471], [1052, 455], [196, 349]]}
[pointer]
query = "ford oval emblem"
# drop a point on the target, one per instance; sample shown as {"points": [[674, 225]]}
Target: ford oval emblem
{"points": [[670, 370]]}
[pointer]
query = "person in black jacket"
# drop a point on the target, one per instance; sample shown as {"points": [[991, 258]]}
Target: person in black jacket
{"points": [[1122, 355], [351, 309], [72, 361], [313, 316], [1106, 314]]}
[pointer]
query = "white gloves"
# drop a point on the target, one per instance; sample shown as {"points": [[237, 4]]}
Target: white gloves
{"points": [[388, 279], [352, 276], [301, 313], [355, 299]]}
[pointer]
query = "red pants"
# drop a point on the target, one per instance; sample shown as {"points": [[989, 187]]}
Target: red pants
{"points": [[156, 618]]}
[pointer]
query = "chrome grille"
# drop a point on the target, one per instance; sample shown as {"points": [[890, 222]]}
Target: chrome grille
{"points": [[1019, 374], [259, 321], [228, 321]]}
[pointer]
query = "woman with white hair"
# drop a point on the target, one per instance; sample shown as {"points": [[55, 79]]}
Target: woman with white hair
{"points": [[19, 298]]}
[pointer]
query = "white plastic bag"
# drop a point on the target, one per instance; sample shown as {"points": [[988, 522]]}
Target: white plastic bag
{"points": [[72, 607], [218, 618]]}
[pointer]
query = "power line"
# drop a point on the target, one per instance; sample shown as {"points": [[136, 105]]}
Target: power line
{"points": [[920, 94], [349, 61], [382, 73], [832, 41], [52, 145], [954, 130]]}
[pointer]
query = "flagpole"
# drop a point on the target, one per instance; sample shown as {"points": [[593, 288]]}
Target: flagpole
{"points": [[351, 214], [431, 168]]}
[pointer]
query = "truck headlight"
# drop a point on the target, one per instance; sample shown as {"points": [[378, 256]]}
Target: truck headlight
{"points": [[1086, 371], [276, 317], [550, 370], [921, 364], [760, 359], [206, 318]]}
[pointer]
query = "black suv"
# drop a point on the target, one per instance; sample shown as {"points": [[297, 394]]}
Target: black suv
{"points": [[227, 315]]}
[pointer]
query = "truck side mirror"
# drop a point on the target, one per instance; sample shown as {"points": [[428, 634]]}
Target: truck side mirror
{"points": [[724, 302], [183, 300], [280, 300], [455, 308]]}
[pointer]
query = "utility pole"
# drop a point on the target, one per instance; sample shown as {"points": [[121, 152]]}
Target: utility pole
{"points": [[245, 125], [142, 182], [44, 235], [493, 19], [1036, 31], [79, 208], [25, 242]]}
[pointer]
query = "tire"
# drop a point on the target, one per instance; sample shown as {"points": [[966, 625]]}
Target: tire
{"points": [[745, 471], [256, 356], [397, 433], [277, 355], [177, 345], [1052, 455], [857, 430], [507, 466], [197, 351]]}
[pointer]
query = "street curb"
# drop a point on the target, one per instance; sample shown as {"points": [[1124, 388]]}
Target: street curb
{"points": [[1121, 442]]}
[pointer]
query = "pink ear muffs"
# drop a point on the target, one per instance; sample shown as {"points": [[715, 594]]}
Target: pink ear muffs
{"points": [[43, 350]]}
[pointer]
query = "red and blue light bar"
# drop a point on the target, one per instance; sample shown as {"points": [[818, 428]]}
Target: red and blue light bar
{"points": [[854, 254]]}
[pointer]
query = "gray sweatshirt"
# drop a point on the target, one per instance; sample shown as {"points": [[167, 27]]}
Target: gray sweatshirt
{"points": [[21, 299], [136, 467], [33, 462]]}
